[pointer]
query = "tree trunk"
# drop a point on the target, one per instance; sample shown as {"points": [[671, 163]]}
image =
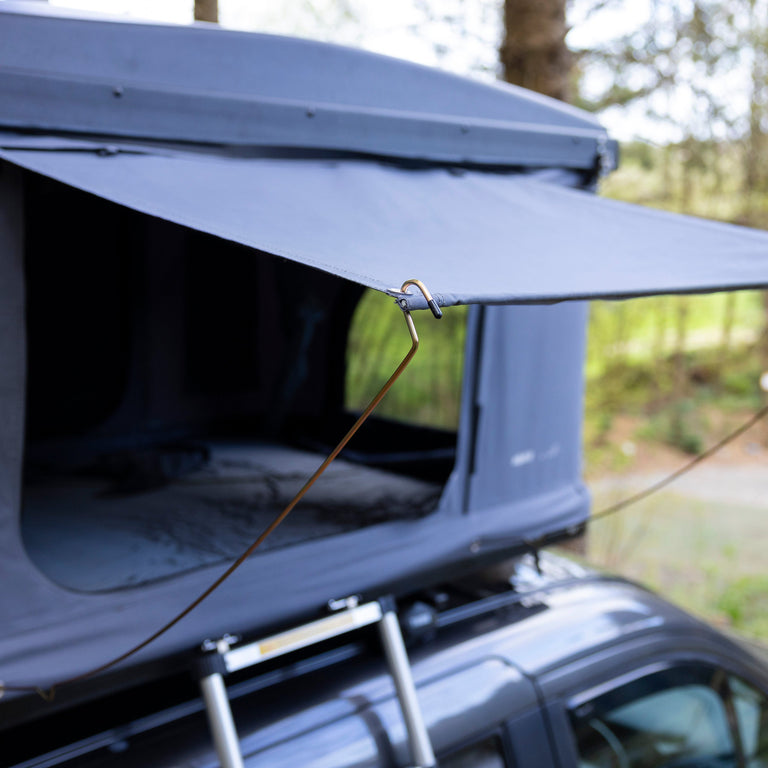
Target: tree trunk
{"points": [[659, 343], [726, 336], [686, 180], [754, 171], [763, 347], [680, 378], [207, 10], [533, 53], [680, 372]]}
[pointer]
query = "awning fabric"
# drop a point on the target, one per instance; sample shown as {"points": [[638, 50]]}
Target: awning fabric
{"points": [[470, 236]]}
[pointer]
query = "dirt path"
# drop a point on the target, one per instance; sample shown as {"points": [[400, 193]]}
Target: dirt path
{"points": [[745, 485], [738, 473]]}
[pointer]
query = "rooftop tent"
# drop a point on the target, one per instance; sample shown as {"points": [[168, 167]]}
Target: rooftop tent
{"points": [[150, 176], [155, 451]]}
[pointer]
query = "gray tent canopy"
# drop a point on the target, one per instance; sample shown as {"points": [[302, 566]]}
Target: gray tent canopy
{"points": [[471, 236], [188, 219]]}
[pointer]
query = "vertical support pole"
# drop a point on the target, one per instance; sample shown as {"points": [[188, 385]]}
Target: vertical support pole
{"points": [[220, 720], [400, 669]]}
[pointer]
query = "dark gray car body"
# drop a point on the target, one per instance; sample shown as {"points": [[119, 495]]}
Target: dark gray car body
{"points": [[509, 676]]}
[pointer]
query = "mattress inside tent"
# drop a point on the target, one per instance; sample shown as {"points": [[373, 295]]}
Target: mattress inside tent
{"points": [[89, 535]]}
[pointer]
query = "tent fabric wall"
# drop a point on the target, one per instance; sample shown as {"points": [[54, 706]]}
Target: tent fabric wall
{"points": [[471, 236], [518, 456], [528, 403], [12, 356]]}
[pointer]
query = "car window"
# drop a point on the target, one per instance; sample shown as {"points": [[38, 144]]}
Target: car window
{"points": [[483, 754], [675, 719], [752, 716]]}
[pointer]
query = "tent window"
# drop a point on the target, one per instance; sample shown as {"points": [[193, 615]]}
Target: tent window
{"points": [[429, 392], [180, 390]]}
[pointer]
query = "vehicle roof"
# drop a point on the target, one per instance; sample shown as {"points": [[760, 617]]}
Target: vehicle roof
{"points": [[583, 612], [597, 627], [571, 630]]}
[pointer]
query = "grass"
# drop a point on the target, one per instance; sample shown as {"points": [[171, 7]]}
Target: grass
{"points": [[706, 556], [745, 604]]}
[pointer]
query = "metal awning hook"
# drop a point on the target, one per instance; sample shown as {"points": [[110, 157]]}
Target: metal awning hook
{"points": [[431, 303]]}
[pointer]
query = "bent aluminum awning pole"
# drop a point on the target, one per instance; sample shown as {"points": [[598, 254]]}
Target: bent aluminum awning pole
{"points": [[374, 402], [220, 659]]}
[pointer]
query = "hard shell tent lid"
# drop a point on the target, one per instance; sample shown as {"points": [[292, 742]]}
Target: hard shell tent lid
{"points": [[205, 85]]}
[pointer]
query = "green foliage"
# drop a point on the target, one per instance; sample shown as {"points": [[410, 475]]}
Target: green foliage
{"points": [[683, 365], [738, 384], [681, 424], [668, 358], [745, 603], [429, 391], [705, 178], [630, 366], [641, 154], [706, 555]]}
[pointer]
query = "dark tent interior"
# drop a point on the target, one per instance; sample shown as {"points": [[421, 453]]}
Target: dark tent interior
{"points": [[180, 389]]}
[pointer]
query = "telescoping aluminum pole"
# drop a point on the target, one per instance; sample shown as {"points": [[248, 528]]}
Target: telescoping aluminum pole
{"points": [[400, 669], [220, 720], [211, 668]]}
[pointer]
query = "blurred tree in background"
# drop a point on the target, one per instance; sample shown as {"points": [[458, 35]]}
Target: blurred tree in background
{"points": [[207, 10], [533, 52]]}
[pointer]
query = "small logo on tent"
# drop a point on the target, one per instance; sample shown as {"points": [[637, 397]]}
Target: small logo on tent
{"points": [[521, 459]]}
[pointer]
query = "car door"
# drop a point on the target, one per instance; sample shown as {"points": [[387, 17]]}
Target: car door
{"points": [[677, 715]]}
